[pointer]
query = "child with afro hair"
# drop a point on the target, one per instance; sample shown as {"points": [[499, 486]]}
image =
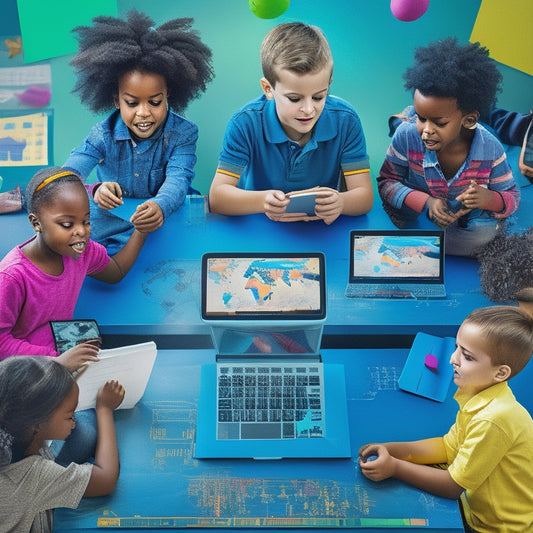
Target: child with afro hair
{"points": [[143, 149], [506, 269], [441, 161]]}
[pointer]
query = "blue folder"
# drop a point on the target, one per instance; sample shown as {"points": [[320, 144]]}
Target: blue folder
{"points": [[419, 376]]}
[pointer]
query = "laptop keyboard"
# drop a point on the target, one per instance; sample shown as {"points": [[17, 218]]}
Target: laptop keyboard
{"points": [[406, 290], [270, 401]]}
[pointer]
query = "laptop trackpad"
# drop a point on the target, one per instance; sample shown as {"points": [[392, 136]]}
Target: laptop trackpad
{"points": [[249, 431]]}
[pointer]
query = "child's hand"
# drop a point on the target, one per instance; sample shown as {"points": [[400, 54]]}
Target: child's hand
{"points": [[274, 204], [74, 358], [524, 169], [475, 196], [78, 355], [439, 213], [110, 395], [329, 204], [108, 195], [380, 468], [148, 217]]}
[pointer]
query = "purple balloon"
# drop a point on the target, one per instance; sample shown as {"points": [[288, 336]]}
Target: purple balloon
{"points": [[408, 10]]}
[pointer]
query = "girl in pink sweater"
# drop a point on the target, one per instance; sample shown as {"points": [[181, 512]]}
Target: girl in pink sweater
{"points": [[40, 279]]}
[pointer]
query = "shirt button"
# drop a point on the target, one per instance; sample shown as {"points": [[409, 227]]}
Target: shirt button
{"points": [[136, 174]]}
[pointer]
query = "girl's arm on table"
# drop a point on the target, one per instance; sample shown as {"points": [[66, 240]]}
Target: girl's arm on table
{"points": [[106, 466], [123, 260]]}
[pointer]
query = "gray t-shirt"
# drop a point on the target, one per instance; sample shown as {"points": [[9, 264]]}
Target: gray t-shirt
{"points": [[30, 489]]}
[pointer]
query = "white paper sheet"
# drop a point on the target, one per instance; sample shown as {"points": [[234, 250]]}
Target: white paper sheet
{"points": [[130, 365]]}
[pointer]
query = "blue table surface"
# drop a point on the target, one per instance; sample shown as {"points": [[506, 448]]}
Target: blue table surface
{"points": [[162, 485], [161, 293], [160, 478]]}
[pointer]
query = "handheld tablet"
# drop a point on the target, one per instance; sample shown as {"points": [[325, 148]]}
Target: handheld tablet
{"points": [[69, 333], [302, 203]]}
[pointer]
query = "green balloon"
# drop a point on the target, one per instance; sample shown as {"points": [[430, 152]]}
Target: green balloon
{"points": [[268, 9]]}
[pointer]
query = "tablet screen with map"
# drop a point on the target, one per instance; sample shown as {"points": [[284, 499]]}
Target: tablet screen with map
{"points": [[263, 286]]}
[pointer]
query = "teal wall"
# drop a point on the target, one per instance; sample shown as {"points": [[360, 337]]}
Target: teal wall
{"points": [[371, 50]]}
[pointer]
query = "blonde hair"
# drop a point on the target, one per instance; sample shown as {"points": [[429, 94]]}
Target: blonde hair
{"points": [[294, 46], [509, 333]]}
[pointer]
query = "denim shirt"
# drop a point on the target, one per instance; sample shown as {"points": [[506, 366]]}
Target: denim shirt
{"points": [[159, 168]]}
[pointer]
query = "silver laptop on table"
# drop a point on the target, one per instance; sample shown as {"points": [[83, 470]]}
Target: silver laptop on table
{"points": [[396, 264], [268, 395]]}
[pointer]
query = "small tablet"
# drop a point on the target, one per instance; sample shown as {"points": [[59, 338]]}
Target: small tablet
{"points": [[302, 203], [69, 333]]}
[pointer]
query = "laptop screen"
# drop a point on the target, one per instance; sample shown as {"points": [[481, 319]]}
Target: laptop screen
{"points": [[265, 286], [396, 256]]}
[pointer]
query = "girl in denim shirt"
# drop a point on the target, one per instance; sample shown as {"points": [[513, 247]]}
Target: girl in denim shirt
{"points": [[143, 149], [441, 160]]}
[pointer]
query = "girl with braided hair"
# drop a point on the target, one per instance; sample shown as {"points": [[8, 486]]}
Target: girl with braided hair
{"points": [[143, 149]]}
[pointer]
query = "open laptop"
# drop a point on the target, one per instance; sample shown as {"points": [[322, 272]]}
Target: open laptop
{"points": [[396, 264], [268, 395]]}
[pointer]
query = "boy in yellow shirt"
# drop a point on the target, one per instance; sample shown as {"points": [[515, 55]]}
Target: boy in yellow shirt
{"points": [[489, 449]]}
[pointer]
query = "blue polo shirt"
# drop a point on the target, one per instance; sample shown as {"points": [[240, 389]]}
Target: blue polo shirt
{"points": [[258, 152]]}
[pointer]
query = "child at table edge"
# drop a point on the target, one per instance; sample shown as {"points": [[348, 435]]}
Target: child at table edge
{"points": [[38, 397], [489, 449], [40, 280], [47, 270], [142, 149], [294, 137]]}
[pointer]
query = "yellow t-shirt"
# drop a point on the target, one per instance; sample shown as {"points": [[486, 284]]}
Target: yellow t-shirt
{"points": [[490, 453]]}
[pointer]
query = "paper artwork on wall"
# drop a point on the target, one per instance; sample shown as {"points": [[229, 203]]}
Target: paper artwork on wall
{"points": [[25, 86], [24, 140]]}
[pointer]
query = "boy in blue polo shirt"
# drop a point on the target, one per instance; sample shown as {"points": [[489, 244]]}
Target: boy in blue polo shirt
{"points": [[294, 137]]}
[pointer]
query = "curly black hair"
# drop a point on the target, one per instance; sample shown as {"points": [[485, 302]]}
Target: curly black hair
{"points": [[112, 46], [465, 72], [506, 266]]}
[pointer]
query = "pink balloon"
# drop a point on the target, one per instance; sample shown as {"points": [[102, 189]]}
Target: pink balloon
{"points": [[408, 10]]}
